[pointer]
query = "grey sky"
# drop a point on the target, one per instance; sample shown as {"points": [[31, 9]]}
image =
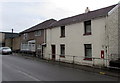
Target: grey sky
{"points": [[23, 14]]}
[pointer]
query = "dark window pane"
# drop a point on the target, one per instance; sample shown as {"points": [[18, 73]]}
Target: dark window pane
{"points": [[62, 49], [62, 31], [88, 51], [87, 25], [88, 29]]}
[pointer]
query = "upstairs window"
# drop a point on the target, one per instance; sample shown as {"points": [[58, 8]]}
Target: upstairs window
{"points": [[62, 50], [62, 31], [87, 27], [38, 33], [25, 35], [88, 51]]}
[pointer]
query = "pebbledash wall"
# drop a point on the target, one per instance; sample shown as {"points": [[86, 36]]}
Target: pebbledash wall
{"points": [[112, 33], [119, 29], [74, 41]]}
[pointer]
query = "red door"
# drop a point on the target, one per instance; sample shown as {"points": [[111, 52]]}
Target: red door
{"points": [[53, 52]]}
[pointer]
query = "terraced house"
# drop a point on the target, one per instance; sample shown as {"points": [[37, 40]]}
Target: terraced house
{"points": [[91, 38], [86, 38], [34, 39]]}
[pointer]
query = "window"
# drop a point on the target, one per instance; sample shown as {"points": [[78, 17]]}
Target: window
{"points": [[38, 33], [39, 46], [87, 27], [62, 50], [88, 52], [25, 35], [62, 31]]}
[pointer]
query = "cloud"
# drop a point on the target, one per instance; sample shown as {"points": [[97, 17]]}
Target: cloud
{"points": [[23, 14]]}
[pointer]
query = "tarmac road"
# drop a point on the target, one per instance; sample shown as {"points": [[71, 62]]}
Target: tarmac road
{"points": [[16, 68]]}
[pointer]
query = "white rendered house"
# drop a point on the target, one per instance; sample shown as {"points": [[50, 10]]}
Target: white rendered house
{"points": [[83, 38]]}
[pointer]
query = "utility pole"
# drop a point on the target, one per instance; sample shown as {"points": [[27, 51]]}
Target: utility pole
{"points": [[12, 40]]}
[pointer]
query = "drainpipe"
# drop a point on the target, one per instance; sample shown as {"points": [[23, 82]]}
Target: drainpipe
{"points": [[106, 47], [44, 35], [44, 43]]}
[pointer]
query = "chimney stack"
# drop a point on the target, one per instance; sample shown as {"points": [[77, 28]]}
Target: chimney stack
{"points": [[87, 10]]}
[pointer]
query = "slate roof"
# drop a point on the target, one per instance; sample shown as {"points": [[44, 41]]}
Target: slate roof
{"points": [[84, 17], [71, 20], [43, 25]]}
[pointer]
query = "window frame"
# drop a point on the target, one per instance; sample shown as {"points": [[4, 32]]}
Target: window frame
{"points": [[38, 33], [62, 29], [62, 53], [85, 51], [87, 23]]}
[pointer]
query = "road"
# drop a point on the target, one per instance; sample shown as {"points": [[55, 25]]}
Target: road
{"points": [[17, 68]]}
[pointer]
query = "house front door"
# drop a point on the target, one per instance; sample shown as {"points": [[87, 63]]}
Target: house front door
{"points": [[53, 51]]}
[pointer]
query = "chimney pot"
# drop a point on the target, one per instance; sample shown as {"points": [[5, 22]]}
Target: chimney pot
{"points": [[87, 10]]}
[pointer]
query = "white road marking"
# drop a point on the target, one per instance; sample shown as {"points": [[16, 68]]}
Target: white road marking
{"points": [[29, 75], [18, 69]]}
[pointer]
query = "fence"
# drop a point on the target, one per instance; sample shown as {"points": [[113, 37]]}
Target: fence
{"points": [[28, 47], [81, 60]]}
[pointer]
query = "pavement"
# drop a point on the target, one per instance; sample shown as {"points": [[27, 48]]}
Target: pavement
{"points": [[22, 68]]}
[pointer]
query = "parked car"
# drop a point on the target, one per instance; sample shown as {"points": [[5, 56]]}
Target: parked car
{"points": [[115, 63], [5, 50]]}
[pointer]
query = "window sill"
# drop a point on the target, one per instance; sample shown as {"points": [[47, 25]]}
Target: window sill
{"points": [[88, 59], [37, 35], [62, 56], [62, 36], [85, 34]]}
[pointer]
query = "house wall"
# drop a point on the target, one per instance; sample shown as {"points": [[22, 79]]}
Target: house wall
{"points": [[6, 38], [2, 37], [8, 42], [112, 32], [40, 39], [119, 29], [16, 43], [31, 36], [74, 41]]}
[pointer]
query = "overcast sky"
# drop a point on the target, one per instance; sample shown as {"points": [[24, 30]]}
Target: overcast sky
{"points": [[23, 14]]}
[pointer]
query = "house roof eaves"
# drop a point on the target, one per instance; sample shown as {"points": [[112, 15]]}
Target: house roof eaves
{"points": [[84, 17]]}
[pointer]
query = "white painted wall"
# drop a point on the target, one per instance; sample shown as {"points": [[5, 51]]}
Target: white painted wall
{"points": [[74, 41]]}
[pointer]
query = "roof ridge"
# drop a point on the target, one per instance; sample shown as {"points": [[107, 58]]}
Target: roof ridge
{"points": [[89, 12], [84, 16], [35, 26]]}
